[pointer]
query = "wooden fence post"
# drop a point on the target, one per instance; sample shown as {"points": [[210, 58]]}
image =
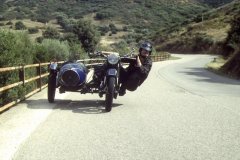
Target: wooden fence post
{"points": [[39, 82], [22, 74]]}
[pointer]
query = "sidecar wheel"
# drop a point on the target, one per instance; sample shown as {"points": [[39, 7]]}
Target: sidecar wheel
{"points": [[51, 88], [110, 93]]}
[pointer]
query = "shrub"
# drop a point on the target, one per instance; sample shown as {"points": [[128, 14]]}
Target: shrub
{"points": [[102, 15], [32, 30], [70, 37], [233, 38], [103, 30], [76, 52], [51, 33], [201, 43], [19, 25], [125, 28], [20, 15], [113, 28], [39, 39], [15, 49], [9, 23], [51, 49], [121, 47]]}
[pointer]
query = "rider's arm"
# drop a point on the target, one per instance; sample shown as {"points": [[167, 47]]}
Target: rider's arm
{"points": [[145, 67], [139, 63]]}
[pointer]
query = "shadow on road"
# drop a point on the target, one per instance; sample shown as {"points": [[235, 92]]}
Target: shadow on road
{"points": [[205, 75], [84, 106]]}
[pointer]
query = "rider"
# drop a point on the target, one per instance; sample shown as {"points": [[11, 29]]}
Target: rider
{"points": [[134, 75]]}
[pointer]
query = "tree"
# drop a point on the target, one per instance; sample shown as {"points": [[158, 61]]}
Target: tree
{"points": [[87, 34]]}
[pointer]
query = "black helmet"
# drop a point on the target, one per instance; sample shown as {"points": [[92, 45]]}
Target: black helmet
{"points": [[147, 46]]}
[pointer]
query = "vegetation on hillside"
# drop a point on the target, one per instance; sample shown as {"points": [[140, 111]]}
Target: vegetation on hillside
{"points": [[232, 49], [12, 47], [138, 13], [138, 17], [205, 33]]}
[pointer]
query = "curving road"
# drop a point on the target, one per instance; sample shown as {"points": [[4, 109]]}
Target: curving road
{"points": [[182, 111]]}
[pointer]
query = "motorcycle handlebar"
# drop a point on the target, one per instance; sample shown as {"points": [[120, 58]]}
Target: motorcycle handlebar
{"points": [[127, 57]]}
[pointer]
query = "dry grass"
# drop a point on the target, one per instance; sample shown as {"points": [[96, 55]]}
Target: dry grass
{"points": [[216, 64], [33, 24], [107, 40], [115, 38], [214, 28]]}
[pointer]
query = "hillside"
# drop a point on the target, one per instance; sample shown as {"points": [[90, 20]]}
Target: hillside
{"points": [[200, 34], [144, 16], [214, 32]]}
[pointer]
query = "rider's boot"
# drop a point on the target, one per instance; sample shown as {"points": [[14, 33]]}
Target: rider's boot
{"points": [[101, 89], [122, 90]]}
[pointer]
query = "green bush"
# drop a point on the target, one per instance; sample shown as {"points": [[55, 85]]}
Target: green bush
{"points": [[201, 43], [51, 49], [103, 30], [125, 28], [121, 47], [70, 37], [76, 52], [51, 33], [113, 28], [20, 26], [9, 23], [15, 49], [102, 15], [33, 30]]}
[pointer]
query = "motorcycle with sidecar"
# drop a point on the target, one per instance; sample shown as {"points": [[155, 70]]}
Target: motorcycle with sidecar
{"points": [[72, 77]]}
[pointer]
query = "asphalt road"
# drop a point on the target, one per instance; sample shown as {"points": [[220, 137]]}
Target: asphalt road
{"points": [[182, 111]]}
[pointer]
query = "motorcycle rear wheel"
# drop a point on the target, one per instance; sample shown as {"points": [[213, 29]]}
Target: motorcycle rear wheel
{"points": [[51, 88], [109, 94]]}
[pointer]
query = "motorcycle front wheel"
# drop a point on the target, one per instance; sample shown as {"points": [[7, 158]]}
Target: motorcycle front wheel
{"points": [[109, 93], [51, 88]]}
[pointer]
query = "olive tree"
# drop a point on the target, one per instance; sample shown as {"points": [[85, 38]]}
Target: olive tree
{"points": [[87, 34]]}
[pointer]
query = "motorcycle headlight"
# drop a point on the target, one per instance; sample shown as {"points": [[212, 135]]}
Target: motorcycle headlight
{"points": [[53, 66], [113, 59]]}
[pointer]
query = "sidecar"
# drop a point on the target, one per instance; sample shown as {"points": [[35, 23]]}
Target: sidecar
{"points": [[70, 76]]}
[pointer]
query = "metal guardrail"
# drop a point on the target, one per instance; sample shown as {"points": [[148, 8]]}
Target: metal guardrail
{"points": [[38, 78]]}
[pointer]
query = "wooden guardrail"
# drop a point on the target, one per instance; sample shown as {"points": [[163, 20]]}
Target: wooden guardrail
{"points": [[40, 85], [161, 57]]}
